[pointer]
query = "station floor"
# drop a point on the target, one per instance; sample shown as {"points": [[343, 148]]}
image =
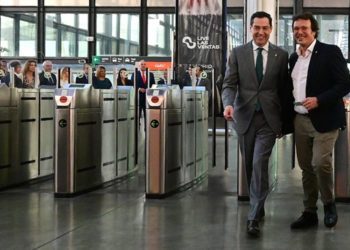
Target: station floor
{"points": [[207, 216]]}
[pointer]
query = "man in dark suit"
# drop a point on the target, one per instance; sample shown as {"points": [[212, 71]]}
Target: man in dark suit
{"points": [[202, 81], [255, 77], [84, 77], [46, 77], [17, 74], [320, 80], [142, 83]]}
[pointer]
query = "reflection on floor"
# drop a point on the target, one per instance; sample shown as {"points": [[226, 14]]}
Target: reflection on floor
{"points": [[207, 216]]}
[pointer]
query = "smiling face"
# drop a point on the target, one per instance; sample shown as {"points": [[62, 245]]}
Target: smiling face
{"points": [[32, 66], [261, 30], [303, 33], [123, 74]]}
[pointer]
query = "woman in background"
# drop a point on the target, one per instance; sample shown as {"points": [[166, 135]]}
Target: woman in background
{"points": [[122, 79], [64, 77], [29, 74], [101, 81]]}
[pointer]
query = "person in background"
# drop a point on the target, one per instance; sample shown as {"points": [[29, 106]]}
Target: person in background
{"points": [[142, 83], [17, 71], [201, 81], [123, 78], [101, 81], [64, 77], [29, 74], [3, 70], [84, 76], [46, 77]]}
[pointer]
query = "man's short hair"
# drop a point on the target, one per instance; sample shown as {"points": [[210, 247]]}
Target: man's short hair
{"points": [[260, 14], [46, 62], [308, 16], [15, 64], [200, 67]]}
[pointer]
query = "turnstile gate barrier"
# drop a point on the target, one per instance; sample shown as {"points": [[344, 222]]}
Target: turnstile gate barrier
{"points": [[175, 134], [77, 140], [342, 162]]}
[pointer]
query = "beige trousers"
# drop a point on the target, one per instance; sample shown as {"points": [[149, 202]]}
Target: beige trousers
{"points": [[314, 152]]}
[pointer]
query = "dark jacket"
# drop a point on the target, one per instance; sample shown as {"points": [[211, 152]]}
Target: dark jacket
{"points": [[47, 81], [101, 84], [18, 81], [81, 79], [141, 84], [327, 79]]}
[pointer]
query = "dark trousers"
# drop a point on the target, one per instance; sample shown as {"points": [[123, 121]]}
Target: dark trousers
{"points": [[142, 109]]}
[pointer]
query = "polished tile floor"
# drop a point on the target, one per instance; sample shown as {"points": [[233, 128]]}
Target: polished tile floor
{"points": [[207, 216]]}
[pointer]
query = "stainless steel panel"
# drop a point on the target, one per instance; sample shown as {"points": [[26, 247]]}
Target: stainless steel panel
{"points": [[8, 145], [87, 148], [108, 132], [28, 133], [47, 132], [342, 163], [199, 134], [205, 132], [131, 140], [172, 141], [122, 148], [86, 98], [189, 135], [155, 165], [64, 147]]}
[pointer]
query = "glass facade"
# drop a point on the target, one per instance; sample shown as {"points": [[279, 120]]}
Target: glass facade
{"points": [[66, 35], [235, 31], [18, 35], [285, 33], [334, 29], [18, 2], [118, 34], [161, 29], [120, 28]]}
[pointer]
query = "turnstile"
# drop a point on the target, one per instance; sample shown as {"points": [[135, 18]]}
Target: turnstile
{"points": [[77, 140], [47, 132], [26, 135], [176, 132], [126, 131], [93, 142], [342, 164], [108, 132]]}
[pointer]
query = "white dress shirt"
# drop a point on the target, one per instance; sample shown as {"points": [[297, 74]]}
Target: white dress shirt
{"points": [[264, 54], [299, 76]]}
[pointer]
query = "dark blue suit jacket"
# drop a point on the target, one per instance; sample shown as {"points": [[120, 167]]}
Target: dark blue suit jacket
{"points": [[328, 79], [82, 79], [141, 84]]}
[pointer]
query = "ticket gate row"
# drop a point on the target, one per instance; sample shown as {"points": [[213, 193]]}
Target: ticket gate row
{"points": [[176, 138], [26, 135], [94, 140]]}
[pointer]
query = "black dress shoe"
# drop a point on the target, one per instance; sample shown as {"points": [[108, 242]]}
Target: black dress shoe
{"points": [[253, 228], [306, 220], [330, 215], [262, 214]]}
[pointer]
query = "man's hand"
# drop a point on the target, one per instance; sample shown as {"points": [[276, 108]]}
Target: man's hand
{"points": [[310, 103], [228, 113], [142, 90]]}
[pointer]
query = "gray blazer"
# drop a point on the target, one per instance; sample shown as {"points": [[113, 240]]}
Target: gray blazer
{"points": [[241, 88]]}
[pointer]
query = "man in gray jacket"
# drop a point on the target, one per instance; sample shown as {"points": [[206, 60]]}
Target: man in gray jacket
{"points": [[252, 89]]}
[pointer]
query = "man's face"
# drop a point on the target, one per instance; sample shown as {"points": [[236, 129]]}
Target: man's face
{"points": [[18, 69], [86, 69], [4, 64], [303, 33], [143, 65], [48, 67], [198, 72], [261, 31]]}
